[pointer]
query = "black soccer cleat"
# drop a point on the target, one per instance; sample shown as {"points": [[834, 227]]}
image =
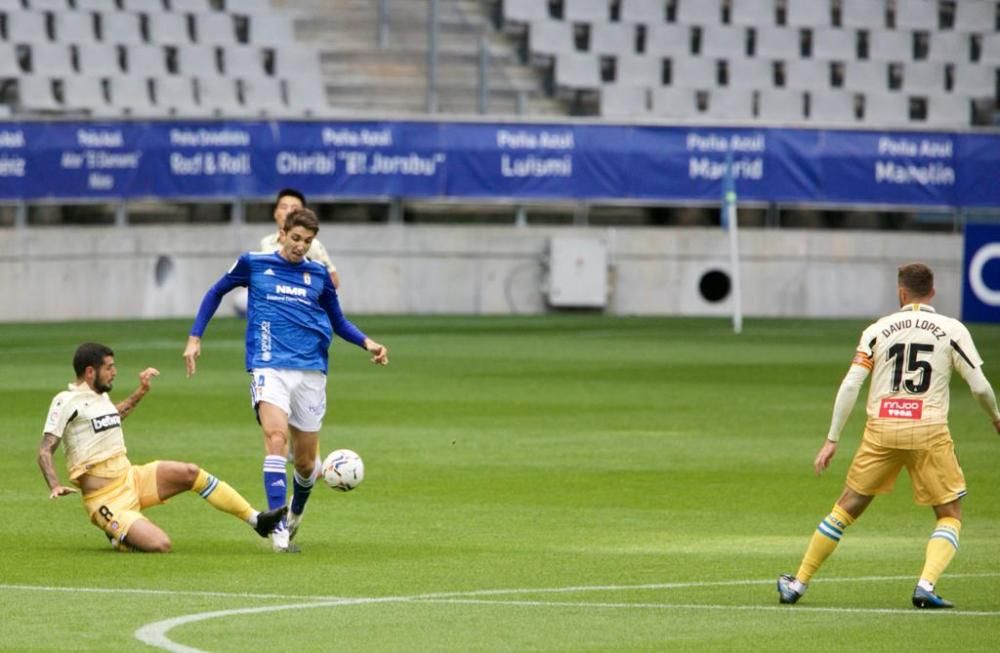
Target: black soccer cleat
{"points": [[926, 600], [268, 521]]}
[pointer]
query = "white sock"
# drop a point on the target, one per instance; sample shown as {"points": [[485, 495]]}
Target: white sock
{"points": [[926, 584]]}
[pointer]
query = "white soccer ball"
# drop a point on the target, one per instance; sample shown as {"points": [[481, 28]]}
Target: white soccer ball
{"points": [[343, 470]]}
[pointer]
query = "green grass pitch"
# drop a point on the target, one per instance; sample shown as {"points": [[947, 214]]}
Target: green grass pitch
{"points": [[552, 483]]}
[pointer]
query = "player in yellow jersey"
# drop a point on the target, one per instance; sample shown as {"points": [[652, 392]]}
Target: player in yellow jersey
{"points": [[910, 356], [114, 490], [289, 200]]}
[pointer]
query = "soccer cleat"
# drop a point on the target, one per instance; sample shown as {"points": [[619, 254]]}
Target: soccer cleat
{"points": [[268, 521], [294, 520], [928, 600], [786, 591], [280, 541]]}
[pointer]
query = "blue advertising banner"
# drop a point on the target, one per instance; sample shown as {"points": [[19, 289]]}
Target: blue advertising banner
{"points": [[192, 159], [981, 278]]}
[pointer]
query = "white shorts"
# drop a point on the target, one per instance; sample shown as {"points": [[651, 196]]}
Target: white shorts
{"points": [[300, 393]]}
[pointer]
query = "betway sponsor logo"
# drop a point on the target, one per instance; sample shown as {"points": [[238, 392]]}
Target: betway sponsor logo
{"points": [[282, 289], [105, 422], [901, 408]]}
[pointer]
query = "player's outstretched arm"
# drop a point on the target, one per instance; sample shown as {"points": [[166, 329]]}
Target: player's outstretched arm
{"points": [[191, 353], [129, 403], [48, 447], [380, 352]]}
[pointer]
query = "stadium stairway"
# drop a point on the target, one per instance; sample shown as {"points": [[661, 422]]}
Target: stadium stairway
{"points": [[363, 78]]}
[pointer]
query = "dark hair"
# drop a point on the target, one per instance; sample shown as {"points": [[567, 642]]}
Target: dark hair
{"points": [[917, 278], [90, 354], [289, 192], [302, 218]]}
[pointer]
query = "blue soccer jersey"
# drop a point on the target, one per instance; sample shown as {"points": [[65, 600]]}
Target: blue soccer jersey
{"points": [[292, 311]]}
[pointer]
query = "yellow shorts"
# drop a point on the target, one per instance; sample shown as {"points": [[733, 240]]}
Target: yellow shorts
{"points": [[934, 472], [116, 506]]}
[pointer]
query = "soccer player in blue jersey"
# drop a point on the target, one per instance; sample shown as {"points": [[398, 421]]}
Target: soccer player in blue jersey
{"points": [[292, 314]]}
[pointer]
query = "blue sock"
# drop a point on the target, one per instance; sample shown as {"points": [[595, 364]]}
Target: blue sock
{"points": [[275, 481], [301, 489]]}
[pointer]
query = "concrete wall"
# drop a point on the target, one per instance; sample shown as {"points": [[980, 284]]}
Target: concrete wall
{"points": [[57, 273]]}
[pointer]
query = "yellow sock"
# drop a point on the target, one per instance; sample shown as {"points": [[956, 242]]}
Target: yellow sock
{"points": [[824, 542], [222, 496], [941, 548]]}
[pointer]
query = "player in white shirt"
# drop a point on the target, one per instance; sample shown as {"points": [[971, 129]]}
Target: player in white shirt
{"points": [[910, 355], [114, 490], [289, 200]]}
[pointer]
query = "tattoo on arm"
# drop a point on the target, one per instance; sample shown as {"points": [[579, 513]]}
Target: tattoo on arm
{"points": [[45, 450], [125, 406]]}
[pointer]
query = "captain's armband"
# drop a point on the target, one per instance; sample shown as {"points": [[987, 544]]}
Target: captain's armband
{"points": [[863, 360]]}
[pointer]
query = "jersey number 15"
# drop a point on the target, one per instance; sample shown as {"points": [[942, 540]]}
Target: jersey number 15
{"points": [[899, 356]]}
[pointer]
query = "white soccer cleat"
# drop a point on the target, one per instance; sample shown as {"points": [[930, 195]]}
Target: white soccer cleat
{"points": [[294, 520], [280, 541]]}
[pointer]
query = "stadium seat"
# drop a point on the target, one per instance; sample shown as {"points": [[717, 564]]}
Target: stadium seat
{"points": [[37, 94], [777, 43], [215, 29], [923, 77], [170, 29], [120, 27], [619, 101], [221, 97], [550, 37], [96, 5], [191, 6], [639, 70], [9, 61], [664, 39], [577, 70], [525, 11], [26, 26], [694, 72], [886, 109], [948, 111], [243, 61], [74, 27], [85, 93], [975, 16], [753, 13], [862, 14], [174, 96], [990, 49], [308, 97], [251, 7], [54, 59], [699, 12], [730, 104], [295, 60], [806, 74], [265, 95], [130, 95], [98, 59], [749, 73], [781, 105], [198, 60], [808, 13], [917, 14], [832, 107], [866, 76], [974, 80], [143, 6], [271, 29], [612, 38], [888, 45], [674, 103], [586, 11], [48, 5], [7, 5], [648, 12], [830, 44], [949, 47], [145, 59], [723, 41]]}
